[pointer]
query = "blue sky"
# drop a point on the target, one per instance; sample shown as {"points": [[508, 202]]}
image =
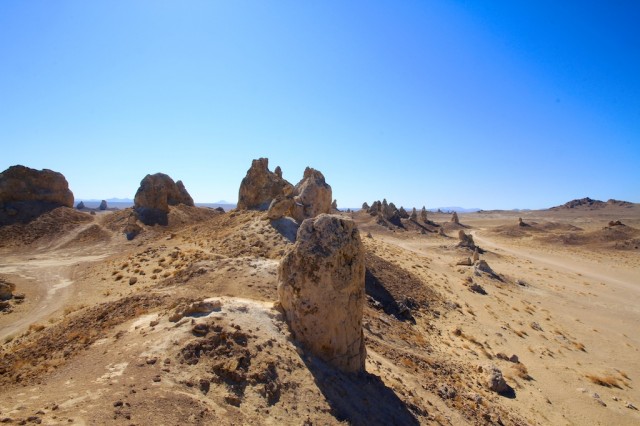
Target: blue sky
{"points": [[496, 104]]}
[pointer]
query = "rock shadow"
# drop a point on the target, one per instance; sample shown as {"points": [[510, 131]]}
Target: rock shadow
{"points": [[287, 227], [359, 399], [375, 289]]}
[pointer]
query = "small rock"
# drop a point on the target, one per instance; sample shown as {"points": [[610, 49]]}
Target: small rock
{"points": [[133, 280], [156, 379], [630, 406], [118, 404]]}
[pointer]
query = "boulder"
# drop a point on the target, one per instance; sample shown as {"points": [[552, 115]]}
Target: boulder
{"points": [[280, 206], [103, 204], [6, 289], [454, 218], [312, 196], [494, 380], [260, 186], [27, 193], [321, 290], [465, 261], [80, 205], [154, 196]]}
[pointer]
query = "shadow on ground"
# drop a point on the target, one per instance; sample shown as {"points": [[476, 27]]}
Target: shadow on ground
{"points": [[359, 399]]}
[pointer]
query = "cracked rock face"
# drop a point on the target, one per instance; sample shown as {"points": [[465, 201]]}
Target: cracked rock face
{"points": [[321, 289]]}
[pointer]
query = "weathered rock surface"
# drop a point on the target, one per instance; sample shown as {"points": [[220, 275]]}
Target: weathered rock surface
{"points": [[260, 186], [454, 218], [312, 196], [27, 193], [154, 196], [280, 206], [321, 289], [103, 205], [495, 381], [466, 241]]}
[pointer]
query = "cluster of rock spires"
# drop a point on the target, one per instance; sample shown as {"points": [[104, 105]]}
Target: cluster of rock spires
{"points": [[262, 189], [27, 193], [392, 214]]}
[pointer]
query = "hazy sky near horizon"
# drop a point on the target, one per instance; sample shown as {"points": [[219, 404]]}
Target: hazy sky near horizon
{"points": [[488, 104]]}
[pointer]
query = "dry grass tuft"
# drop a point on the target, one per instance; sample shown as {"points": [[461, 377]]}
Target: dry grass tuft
{"points": [[606, 381]]}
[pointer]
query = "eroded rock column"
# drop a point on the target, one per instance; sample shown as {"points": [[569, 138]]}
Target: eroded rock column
{"points": [[321, 288]]}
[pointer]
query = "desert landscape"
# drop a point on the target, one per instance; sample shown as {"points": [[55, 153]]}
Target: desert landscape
{"points": [[286, 310]]}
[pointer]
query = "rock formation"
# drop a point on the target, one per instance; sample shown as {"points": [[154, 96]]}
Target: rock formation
{"points": [[476, 255], [494, 380], [403, 213], [454, 218], [414, 214], [334, 206], [321, 289], [423, 214], [365, 206], [280, 206], [6, 289], [312, 196], [260, 186], [103, 204], [154, 196], [80, 205], [466, 241], [26, 193]]}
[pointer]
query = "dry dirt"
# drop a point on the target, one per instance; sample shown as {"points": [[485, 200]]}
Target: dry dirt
{"points": [[181, 324]]}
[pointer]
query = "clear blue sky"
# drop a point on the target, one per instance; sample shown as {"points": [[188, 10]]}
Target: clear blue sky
{"points": [[489, 104]]}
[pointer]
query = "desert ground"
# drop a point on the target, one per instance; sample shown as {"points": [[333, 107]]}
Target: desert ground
{"points": [[181, 324]]}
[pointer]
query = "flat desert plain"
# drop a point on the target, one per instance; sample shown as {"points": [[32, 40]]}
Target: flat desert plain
{"points": [[181, 324]]}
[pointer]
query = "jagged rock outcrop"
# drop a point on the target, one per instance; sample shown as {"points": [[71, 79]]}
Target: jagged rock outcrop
{"points": [[466, 241], [154, 196], [414, 214], [423, 214], [403, 213], [365, 206], [476, 255], [454, 218], [103, 204], [334, 206], [321, 290], [260, 186], [80, 205], [312, 196], [27, 193]]}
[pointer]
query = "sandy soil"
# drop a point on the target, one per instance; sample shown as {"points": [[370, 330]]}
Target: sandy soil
{"points": [[116, 332]]}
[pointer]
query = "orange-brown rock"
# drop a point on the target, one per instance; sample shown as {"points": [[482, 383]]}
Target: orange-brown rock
{"points": [[321, 289], [26, 193]]}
